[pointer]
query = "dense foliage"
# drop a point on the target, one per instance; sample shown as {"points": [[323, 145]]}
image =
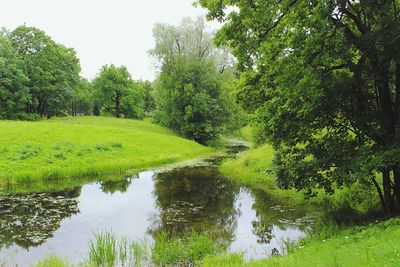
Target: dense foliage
{"points": [[188, 96], [117, 93], [193, 90], [323, 78], [14, 93], [38, 76]]}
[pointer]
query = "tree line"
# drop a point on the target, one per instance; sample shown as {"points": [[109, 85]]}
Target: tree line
{"points": [[41, 78], [192, 95]]}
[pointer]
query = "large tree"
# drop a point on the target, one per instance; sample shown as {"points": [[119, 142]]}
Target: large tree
{"points": [[116, 93], [191, 95], [324, 79], [14, 94], [192, 39], [53, 71], [188, 94]]}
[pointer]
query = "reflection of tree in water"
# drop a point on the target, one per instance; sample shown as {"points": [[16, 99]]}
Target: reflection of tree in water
{"points": [[272, 211], [195, 199], [116, 185], [30, 219]]}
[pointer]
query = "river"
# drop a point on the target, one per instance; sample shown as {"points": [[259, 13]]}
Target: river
{"points": [[175, 200]]}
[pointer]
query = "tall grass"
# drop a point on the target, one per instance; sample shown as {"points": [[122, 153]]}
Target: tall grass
{"points": [[108, 250], [52, 261], [186, 251]]}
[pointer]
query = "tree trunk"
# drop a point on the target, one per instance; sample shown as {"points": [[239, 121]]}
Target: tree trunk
{"points": [[117, 104], [381, 198], [397, 103], [396, 186], [387, 192]]}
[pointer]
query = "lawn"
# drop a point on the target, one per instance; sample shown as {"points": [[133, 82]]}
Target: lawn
{"points": [[87, 146]]}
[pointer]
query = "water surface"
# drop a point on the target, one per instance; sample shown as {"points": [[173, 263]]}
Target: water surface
{"points": [[35, 225]]}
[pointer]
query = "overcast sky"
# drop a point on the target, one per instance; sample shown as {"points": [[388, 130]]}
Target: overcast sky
{"points": [[101, 31]]}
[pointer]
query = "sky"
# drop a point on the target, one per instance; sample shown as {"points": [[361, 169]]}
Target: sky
{"points": [[102, 32]]}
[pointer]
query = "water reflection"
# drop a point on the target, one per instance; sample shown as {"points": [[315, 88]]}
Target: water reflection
{"points": [[195, 199], [29, 220], [116, 185], [176, 201], [275, 212]]}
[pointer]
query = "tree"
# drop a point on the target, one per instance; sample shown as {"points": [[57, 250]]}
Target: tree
{"points": [[189, 39], [188, 95], [323, 78], [147, 90], [117, 93], [14, 94], [193, 72], [53, 71], [82, 102]]}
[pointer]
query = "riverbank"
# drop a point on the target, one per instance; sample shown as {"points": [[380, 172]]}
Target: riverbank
{"points": [[372, 245], [75, 147], [345, 235]]}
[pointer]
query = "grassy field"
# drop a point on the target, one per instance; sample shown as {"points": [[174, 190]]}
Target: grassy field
{"points": [[86, 146]]}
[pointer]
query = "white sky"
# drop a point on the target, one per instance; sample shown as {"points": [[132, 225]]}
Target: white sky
{"points": [[101, 31]]}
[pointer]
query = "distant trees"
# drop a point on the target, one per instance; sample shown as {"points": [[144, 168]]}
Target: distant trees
{"points": [[83, 99], [14, 92], [149, 102], [188, 92], [52, 69], [117, 93], [38, 76]]}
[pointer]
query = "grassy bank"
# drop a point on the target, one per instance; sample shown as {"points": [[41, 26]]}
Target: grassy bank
{"points": [[373, 245], [253, 168], [338, 243], [86, 146]]}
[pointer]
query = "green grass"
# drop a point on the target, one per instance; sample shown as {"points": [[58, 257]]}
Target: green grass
{"points": [[253, 168], [107, 250], [53, 261], [87, 146], [186, 251], [331, 244], [373, 245]]}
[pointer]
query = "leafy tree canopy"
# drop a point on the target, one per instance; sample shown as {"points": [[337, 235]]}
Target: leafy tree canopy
{"points": [[323, 78], [14, 94], [117, 93], [188, 95], [51, 72]]}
